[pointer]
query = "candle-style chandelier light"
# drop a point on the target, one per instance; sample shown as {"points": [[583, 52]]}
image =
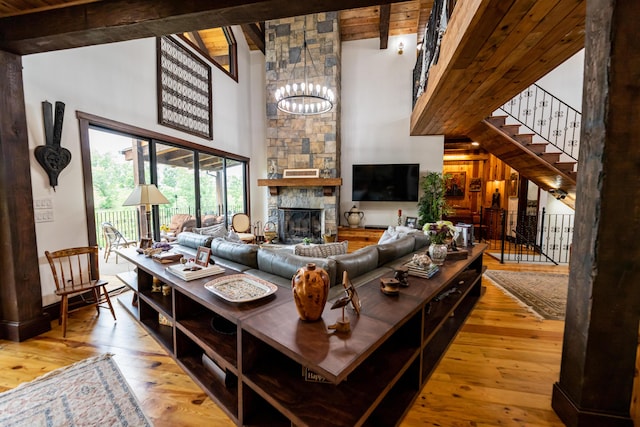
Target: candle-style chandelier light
{"points": [[306, 97]]}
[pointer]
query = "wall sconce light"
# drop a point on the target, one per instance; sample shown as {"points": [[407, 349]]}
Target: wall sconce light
{"points": [[475, 143], [400, 48]]}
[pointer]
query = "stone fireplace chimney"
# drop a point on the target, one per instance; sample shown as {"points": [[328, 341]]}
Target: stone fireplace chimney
{"points": [[299, 141]]}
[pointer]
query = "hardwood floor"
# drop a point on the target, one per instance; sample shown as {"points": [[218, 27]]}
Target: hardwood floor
{"points": [[499, 370]]}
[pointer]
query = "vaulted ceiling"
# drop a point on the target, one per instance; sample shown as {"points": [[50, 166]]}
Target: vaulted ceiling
{"points": [[491, 50]]}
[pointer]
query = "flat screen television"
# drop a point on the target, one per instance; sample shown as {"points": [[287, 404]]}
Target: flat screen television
{"points": [[386, 182]]}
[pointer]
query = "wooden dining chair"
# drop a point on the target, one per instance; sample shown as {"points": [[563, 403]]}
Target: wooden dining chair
{"points": [[75, 271]]}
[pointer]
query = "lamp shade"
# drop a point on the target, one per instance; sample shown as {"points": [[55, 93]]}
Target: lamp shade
{"points": [[145, 194]]}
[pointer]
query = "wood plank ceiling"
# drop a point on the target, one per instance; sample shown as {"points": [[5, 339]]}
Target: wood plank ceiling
{"points": [[407, 17]]}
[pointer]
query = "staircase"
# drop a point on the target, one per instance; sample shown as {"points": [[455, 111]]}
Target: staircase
{"points": [[538, 135], [539, 149]]}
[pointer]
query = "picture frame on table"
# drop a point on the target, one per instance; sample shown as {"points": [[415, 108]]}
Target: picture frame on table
{"points": [[145, 243], [411, 221], [202, 256]]}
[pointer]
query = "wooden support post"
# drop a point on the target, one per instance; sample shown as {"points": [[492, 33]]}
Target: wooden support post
{"points": [[601, 329], [21, 313]]}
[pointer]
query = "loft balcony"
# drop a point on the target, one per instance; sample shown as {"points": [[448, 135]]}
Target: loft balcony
{"points": [[491, 51]]}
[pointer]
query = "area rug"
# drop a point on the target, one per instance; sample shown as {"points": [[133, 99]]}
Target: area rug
{"points": [[92, 392], [543, 293]]}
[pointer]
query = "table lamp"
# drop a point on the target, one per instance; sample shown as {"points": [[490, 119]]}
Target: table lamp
{"points": [[146, 195]]}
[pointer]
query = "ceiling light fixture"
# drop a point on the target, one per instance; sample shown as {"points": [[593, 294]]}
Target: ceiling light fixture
{"points": [[304, 98]]}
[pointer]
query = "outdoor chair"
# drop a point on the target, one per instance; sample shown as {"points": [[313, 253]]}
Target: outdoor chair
{"points": [[113, 240], [75, 271], [241, 224]]}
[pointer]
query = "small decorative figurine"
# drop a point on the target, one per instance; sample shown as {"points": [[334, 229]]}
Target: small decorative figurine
{"points": [[343, 325], [402, 275], [389, 286]]}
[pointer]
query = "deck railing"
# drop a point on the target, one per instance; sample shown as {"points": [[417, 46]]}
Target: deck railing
{"points": [[127, 220]]}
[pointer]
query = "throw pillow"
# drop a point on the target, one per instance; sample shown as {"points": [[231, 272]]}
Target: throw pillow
{"points": [[322, 250], [233, 237], [217, 230], [389, 235]]}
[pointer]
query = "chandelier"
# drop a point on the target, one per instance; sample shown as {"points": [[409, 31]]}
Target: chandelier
{"points": [[304, 98]]}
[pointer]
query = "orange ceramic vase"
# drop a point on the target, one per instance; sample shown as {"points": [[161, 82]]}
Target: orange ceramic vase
{"points": [[310, 290]]}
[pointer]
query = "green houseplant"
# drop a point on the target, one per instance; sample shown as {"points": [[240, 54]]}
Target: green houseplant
{"points": [[432, 204]]}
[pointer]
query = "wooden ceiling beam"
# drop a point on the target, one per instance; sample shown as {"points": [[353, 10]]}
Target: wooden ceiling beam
{"points": [[119, 20], [385, 16], [195, 36], [256, 33]]}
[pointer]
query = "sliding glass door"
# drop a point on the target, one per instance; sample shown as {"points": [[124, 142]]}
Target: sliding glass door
{"points": [[203, 186]]}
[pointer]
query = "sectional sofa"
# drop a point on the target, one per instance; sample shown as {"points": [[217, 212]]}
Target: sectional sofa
{"points": [[278, 266]]}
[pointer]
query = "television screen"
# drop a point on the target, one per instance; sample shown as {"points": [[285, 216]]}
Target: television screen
{"points": [[388, 182]]}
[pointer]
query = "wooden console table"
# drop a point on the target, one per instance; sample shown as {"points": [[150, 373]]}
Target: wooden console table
{"points": [[260, 348]]}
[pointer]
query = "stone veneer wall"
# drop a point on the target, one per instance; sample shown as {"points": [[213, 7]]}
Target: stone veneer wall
{"points": [[302, 142]]}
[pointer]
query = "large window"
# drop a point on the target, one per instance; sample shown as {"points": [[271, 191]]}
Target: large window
{"points": [[218, 45], [203, 186]]}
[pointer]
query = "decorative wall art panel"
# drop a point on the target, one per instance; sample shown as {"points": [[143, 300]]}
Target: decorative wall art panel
{"points": [[184, 89]]}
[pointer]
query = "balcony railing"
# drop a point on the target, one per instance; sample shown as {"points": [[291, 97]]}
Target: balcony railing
{"points": [[430, 50]]}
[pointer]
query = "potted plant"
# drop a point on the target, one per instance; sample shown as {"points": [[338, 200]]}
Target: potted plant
{"points": [[442, 234], [432, 204]]}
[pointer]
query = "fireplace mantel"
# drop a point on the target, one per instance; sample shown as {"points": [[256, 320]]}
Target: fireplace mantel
{"points": [[328, 184]]}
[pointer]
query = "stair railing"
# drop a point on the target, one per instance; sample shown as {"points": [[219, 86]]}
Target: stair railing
{"points": [[541, 237], [548, 117]]}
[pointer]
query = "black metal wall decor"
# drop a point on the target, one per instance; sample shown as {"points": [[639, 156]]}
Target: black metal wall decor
{"points": [[184, 89], [52, 157]]}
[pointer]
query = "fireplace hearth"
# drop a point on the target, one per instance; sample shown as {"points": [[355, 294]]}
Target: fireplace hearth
{"points": [[296, 224]]}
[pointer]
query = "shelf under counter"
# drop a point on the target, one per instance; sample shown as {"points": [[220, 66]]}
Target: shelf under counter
{"points": [[279, 380]]}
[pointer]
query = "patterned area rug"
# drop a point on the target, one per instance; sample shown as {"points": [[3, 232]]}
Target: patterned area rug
{"points": [[91, 392], [543, 293]]}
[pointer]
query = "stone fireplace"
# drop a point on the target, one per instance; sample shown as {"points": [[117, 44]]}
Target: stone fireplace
{"points": [[303, 141]]}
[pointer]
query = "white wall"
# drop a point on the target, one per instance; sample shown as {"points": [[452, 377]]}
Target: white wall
{"points": [[258, 113], [376, 111], [116, 81], [565, 82]]}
